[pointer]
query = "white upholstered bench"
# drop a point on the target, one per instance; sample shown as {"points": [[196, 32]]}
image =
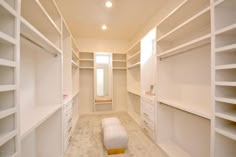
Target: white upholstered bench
{"points": [[115, 136]]}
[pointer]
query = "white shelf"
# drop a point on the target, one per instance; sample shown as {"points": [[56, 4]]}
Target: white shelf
{"points": [[229, 48], [134, 65], [7, 63], [204, 113], [34, 117], [7, 112], [173, 12], [187, 46], [224, 67], [218, 2], [75, 54], [173, 150], [226, 100], [74, 64], [135, 92], [8, 7], [226, 84], [119, 61], [86, 67], [41, 14], [103, 103], [6, 39], [227, 30], [228, 131], [181, 26], [90, 60], [119, 68], [4, 88], [6, 137], [33, 34], [231, 115], [134, 56]]}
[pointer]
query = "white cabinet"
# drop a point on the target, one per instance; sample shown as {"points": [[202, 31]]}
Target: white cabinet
{"points": [[148, 116]]}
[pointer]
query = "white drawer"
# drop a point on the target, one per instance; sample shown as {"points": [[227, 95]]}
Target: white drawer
{"points": [[67, 107], [146, 122], [147, 100], [147, 106], [68, 115], [149, 132], [148, 115]]}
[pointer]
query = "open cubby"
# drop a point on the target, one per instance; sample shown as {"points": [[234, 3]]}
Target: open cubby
{"points": [[52, 11], [7, 100], [225, 110], [8, 21], [134, 103], [7, 125], [120, 57], [225, 92], [7, 75], [86, 63], [228, 75], [133, 79], [119, 64], [226, 127], [226, 39], [32, 12], [180, 16], [86, 55], [227, 58], [7, 52], [224, 146], [224, 14], [182, 134], [199, 27], [8, 149]]}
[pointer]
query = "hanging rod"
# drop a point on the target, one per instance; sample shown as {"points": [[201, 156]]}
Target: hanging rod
{"points": [[38, 45]]}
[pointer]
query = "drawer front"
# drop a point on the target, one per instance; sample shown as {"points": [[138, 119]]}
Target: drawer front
{"points": [[146, 122], [67, 107], [149, 101], [149, 132], [148, 115], [68, 115], [148, 107]]}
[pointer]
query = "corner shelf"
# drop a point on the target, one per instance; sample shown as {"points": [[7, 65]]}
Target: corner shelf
{"points": [[134, 65], [35, 117]]}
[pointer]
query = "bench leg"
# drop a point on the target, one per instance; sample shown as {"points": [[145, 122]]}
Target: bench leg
{"points": [[116, 151]]}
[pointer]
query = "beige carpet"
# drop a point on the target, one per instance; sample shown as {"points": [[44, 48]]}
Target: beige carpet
{"points": [[87, 139]]}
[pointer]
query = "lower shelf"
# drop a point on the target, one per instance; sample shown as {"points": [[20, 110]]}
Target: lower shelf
{"points": [[173, 150], [34, 117]]}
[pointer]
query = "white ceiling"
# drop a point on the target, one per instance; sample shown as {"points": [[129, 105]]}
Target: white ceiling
{"points": [[124, 19]]}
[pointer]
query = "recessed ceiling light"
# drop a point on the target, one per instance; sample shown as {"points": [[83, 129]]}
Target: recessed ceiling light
{"points": [[104, 27], [108, 4]]}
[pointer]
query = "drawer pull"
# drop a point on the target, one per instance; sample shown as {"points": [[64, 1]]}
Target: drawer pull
{"points": [[146, 123], [70, 129], [146, 114], [70, 120], [145, 130]]}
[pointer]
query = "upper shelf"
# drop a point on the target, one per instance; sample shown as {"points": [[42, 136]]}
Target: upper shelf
{"points": [[137, 54], [186, 46], [33, 34]]}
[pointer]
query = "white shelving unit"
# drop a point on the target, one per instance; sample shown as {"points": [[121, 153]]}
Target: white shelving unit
{"points": [[184, 81], [86, 82], [119, 82], [40, 79], [223, 50], [133, 81], [9, 80]]}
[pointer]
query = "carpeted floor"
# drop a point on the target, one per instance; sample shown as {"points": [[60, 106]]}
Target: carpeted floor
{"points": [[87, 139]]}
